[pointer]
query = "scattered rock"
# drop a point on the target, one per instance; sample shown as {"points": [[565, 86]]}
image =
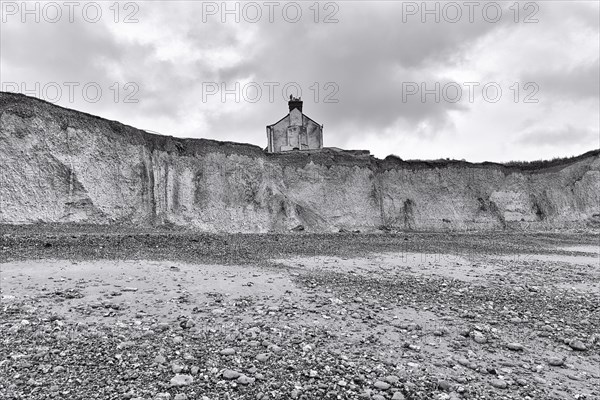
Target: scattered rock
{"points": [[556, 362], [176, 368], [230, 374], [499, 383], [162, 326], [228, 351], [245, 380], [381, 385], [479, 337], [262, 357], [573, 376], [181, 380], [444, 385], [274, 348], [577, 345], [515, 346], [187, 323]]}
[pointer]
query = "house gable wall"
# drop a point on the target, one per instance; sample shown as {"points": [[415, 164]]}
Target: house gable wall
{"points": [[294, 131]]}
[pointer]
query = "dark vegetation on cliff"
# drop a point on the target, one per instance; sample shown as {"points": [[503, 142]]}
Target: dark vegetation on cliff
{"points": [[28, 107], [523, 166]]}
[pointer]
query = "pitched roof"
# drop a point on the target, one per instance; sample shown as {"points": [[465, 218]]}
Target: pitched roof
{"points": [[280, 120], [312, 119], [304, 115]]}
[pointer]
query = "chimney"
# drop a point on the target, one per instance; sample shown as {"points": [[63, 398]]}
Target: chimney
{"points": [[295, 103]]}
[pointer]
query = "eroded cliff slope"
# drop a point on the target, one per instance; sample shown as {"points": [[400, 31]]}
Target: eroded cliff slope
{"points": [[60, 165]]}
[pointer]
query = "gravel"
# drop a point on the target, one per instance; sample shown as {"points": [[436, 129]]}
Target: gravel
{"points": [[335, 332]]}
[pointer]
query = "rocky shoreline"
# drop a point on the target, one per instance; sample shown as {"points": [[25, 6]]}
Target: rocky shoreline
{"points": [[167, 315]]}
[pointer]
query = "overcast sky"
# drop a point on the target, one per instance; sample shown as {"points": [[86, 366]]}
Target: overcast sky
{"points": [[361, 68]]}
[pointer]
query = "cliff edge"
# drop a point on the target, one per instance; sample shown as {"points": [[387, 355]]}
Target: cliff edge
{"points": [[60, 165]]}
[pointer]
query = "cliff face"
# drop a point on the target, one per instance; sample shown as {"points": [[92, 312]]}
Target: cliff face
{"points": [[60, 165]]}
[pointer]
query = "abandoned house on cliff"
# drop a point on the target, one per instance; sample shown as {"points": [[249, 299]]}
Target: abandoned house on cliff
{"points": [[295, 131]]}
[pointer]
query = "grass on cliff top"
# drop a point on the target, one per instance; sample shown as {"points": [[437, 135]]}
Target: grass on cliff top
{"points": [[519, 165], [538, 164]]}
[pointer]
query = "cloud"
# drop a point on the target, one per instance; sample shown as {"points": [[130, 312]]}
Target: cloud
{"points": [[565, 135], [579, 82], [363, 61]]}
